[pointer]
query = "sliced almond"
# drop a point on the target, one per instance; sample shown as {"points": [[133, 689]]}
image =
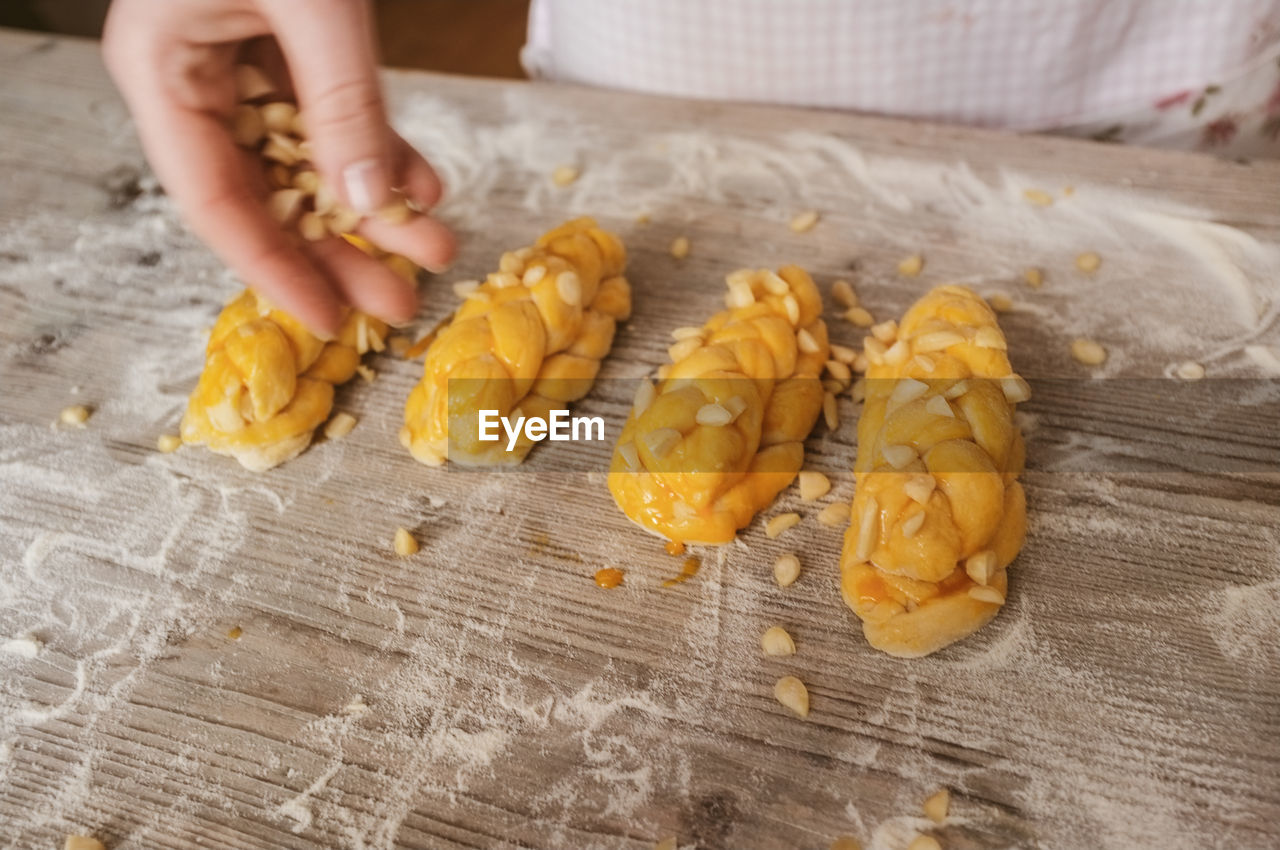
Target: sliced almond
{"points": [[786, 570], [842, 292], [780, 523], [911, 266], [792, 693], [834, 515], [936, 807], [899, 457], [713, 415], [777, 642], [804, 222], [813, 485], [986, 594], [661, 441]]}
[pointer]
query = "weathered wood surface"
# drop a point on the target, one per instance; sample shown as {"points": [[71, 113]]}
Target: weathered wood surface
{"points": [[1128, 696]]}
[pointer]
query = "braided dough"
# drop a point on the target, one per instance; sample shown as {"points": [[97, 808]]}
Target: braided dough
{"points": [[938, 513], [528, 340], [268, 382], [723, 433]]}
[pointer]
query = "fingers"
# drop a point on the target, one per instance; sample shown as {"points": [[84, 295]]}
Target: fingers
{"points": [[418, 179], [201, 168], [367, 284], [329, 47], [422, 239], [230, 218]]}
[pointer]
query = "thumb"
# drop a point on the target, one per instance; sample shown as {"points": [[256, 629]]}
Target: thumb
{"points": [[328, 45]]}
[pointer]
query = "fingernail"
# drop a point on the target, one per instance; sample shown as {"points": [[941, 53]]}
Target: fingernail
{"points": [[437, 269], [366, 184]]}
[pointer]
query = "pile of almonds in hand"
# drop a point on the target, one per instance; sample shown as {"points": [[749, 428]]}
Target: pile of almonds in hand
{"points": [[268, 122]]}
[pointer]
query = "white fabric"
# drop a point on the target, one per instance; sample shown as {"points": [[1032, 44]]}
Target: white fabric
{"points": [[1021, 64]]}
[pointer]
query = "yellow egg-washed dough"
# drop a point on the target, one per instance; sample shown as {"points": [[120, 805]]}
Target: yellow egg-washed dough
{"points": [[528, 340], [939, 404], [268, 382], [749, 377]]}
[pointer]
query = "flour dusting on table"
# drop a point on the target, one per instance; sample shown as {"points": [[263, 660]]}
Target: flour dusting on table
{"points": [[445, 681]]}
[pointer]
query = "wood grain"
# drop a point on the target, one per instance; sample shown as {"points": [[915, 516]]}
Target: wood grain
{"points": [[1128, 695]]}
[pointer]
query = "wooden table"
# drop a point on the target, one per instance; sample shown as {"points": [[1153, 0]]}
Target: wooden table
{"points": [[485, 693]]}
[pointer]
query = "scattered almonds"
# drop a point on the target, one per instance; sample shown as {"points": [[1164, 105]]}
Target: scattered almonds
{"points": [[924, 842], [564, 175], [780, 523], [168, 443], [252, 83], [868, 529], [775, 641], [680, 247], [912, 524], [82, 842], [311, 227], [999, 302], [661, 441], [980, 566], [840, 371], [630, 455], [74, 415], [645, 394], [405, 543], [935, 808], [1088, 262], [1088, 352], [899, 457], [860, 317], [569, 288], [1034, 277], [886, 331], [813, 485], [842, 292], [986, 594], [938, 407], [804, 221], [247, 128], [792, 693], [830, 411], [1039, 197], [668, 843], [844, 354], [1190, 371], [920, 487], [786, 570], [1016, 389], [834, 515], [339, 426], [911, 266], [366, 374], [713, 414]]}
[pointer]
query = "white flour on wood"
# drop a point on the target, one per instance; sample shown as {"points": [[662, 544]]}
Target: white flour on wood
{"points": [[439, 684]]}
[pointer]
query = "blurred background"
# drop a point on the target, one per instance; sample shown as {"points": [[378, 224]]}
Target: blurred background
{"points": [[478, 37]]}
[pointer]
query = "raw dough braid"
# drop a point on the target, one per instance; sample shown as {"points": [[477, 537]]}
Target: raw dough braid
{"points": [[268, 382], [723, 433], [528, 340], [938, 513]]}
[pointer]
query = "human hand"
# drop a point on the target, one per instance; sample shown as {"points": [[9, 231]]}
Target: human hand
{"points": [[174, 62]]}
